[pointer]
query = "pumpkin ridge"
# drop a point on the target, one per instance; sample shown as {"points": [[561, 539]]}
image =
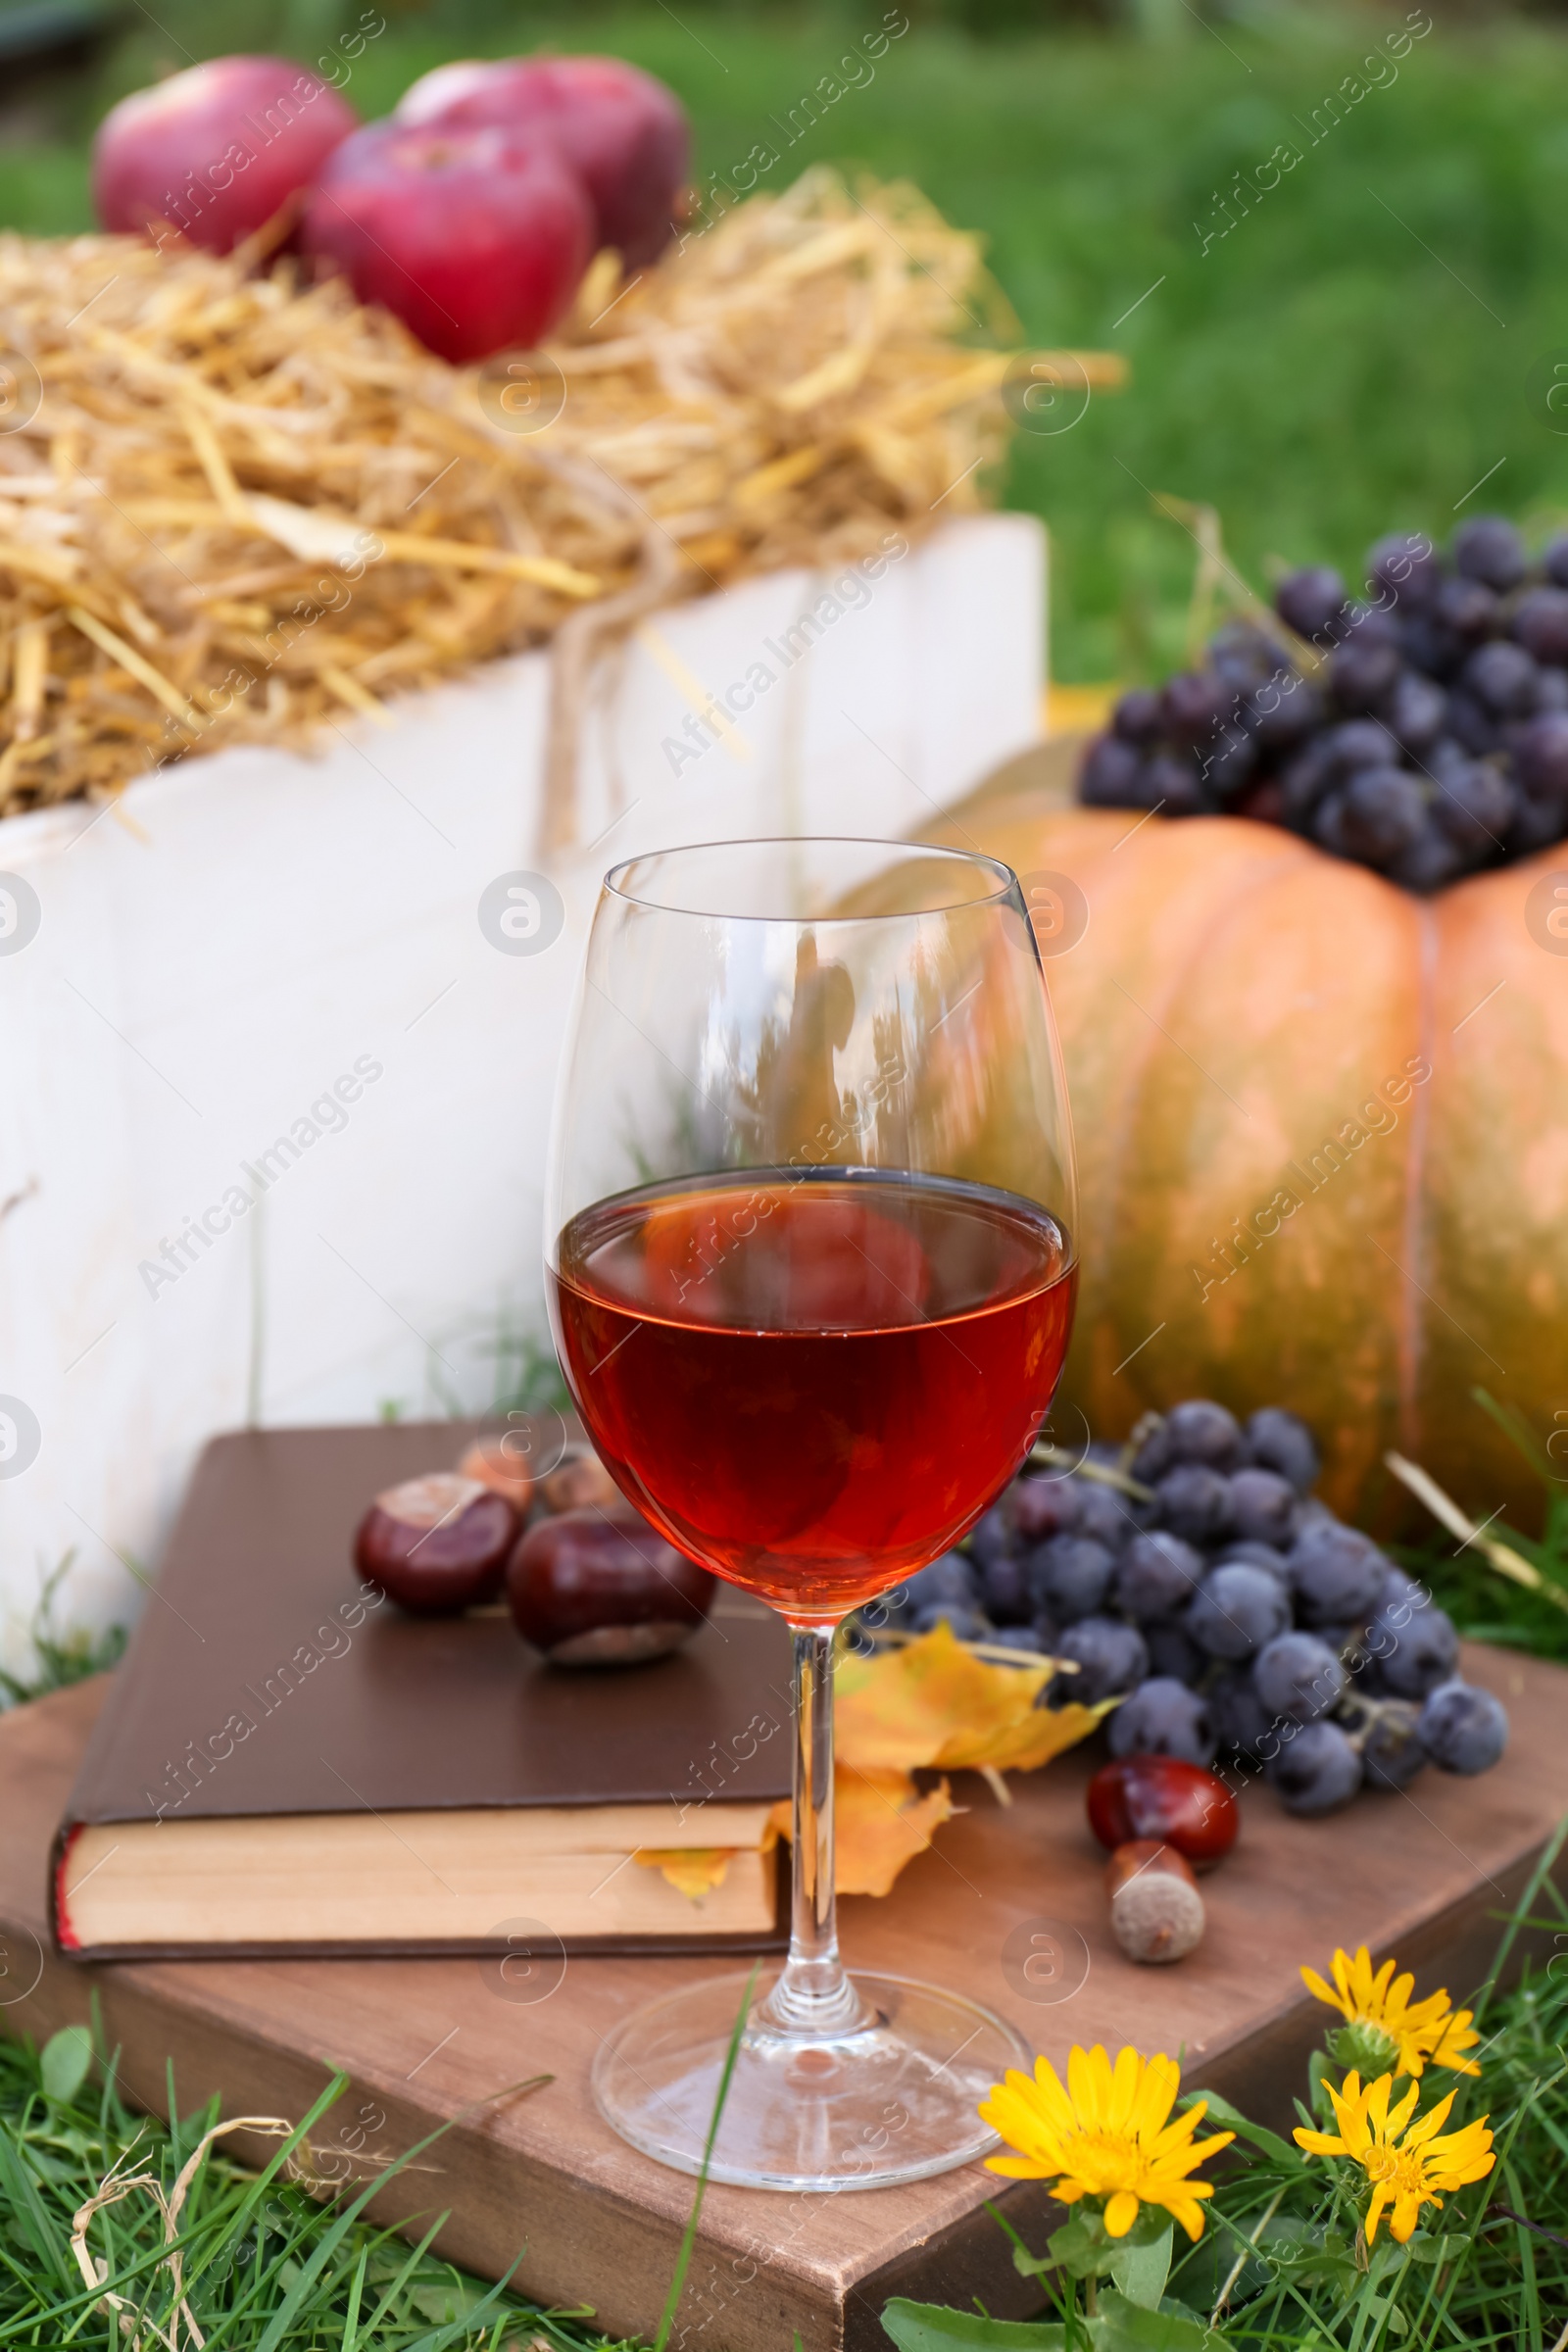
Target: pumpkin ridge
{"points": [[1413, 1288], [1265, 866]]}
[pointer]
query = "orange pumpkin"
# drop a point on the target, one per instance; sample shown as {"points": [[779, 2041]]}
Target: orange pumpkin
{"points": [[1322, 1132]]}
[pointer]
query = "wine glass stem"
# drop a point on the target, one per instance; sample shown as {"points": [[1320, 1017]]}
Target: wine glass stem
{"points": [[813, 1996]]}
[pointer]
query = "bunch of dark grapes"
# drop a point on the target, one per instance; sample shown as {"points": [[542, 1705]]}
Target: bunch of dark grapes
{"points": [[1431, 740], [1193, 1576]]}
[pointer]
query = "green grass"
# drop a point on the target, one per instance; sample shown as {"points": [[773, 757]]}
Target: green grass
{"points": [[1325, 373]]}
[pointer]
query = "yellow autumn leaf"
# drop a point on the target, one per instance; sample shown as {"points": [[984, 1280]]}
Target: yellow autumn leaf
{"points": [[933, 1702], [881, 1821], [692, 1870]]}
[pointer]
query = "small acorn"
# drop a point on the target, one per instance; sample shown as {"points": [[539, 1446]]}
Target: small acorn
{"points": [[436, 1545], [1157, 1913]]}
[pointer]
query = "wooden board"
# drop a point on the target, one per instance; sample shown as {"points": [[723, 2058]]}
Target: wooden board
{"points": [[1010, 1908]]}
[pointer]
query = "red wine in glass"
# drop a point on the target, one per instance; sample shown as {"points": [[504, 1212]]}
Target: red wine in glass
{"points": [[814, 1381]]}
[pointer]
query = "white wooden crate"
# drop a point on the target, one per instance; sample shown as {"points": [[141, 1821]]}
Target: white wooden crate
{"points": [[221, 950]]}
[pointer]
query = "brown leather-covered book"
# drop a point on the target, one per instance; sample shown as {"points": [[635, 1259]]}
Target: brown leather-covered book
{"points": [[288, 1763]]}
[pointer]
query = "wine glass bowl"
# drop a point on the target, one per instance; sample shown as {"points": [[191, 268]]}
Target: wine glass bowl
{"points": [[811, 1267]]}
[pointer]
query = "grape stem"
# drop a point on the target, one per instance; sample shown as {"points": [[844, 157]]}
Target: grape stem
{"points": [[1058, 1457]]}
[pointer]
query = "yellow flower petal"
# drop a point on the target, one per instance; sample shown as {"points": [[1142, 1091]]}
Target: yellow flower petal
{"points": [[1121, 2211]]}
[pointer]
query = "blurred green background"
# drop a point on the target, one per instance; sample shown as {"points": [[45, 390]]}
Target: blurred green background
{"points": [[1353, 357]]}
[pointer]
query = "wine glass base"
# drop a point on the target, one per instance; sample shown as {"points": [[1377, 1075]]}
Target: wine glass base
{"points": [[892, 2099]]}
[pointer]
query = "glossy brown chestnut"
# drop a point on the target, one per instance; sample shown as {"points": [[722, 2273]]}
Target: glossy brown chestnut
{"points": [[1162, 1796], [578, 1480], [599, 1587], [503, 1473], [436, 1545]]}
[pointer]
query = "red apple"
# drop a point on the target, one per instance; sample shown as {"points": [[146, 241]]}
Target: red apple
{"points": [[216, 150], [599, 1588], [473, 239], [1164, 1798], [624, 134], [436, 1545]]}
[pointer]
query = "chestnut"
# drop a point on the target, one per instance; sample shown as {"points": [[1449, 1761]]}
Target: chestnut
{"points": [[489, 1461], [437, 1544], [578, 1480], [599, 1588], [1163, 1796]]}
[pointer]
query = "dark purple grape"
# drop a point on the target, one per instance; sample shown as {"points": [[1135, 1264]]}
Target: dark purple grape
{"points": [[968, 1624], [1358, 742], [1476, 728], [1239, 1715], [1392, 1754], [1317, 1771], [1154, 1457], [1336, 1571], [1405, 565], [1019, 1637], [1462, 1728], [1104, 1514], [1465, 610], [1005, 1590], [1137, 717], [1474, 805], [1380, 813], [1555, 559], [1243, 655], [1111, 1658], [951, 1577], [1237, 1610], [991, 1537], [1414, 711], [1432, 860], [1162, 1718], [1229, 763], [1287, 714], [1172, 1651], [1297, 1676], [1172, 784], [1156, 1575], [1112, 776], [1258, 1555], [1305, 779], [1551, 689], [1278, 1441], [1262, 1506], [1328, 825], [1429, 647], [1194, 1502], [1194, 706], [1540, 757], [1540, 624], [1413, 1657], [1401, 1595], [1537, 825], [1502, 678], [1037, 1507], [1312, 601], [1490, 550], [1363, 669], [1070, 1576], [1200, 1430]]}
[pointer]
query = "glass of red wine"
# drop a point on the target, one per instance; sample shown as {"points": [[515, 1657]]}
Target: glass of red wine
{"points": [[811, 1270]]}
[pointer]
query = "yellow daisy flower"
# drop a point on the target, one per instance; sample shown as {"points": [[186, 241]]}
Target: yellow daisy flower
{"points": [[1388, 2030], [1105, 2136], [1409, 2173]]}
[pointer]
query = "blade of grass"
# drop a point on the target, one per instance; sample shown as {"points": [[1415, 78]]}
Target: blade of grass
{"points": [[689, 2240]]}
